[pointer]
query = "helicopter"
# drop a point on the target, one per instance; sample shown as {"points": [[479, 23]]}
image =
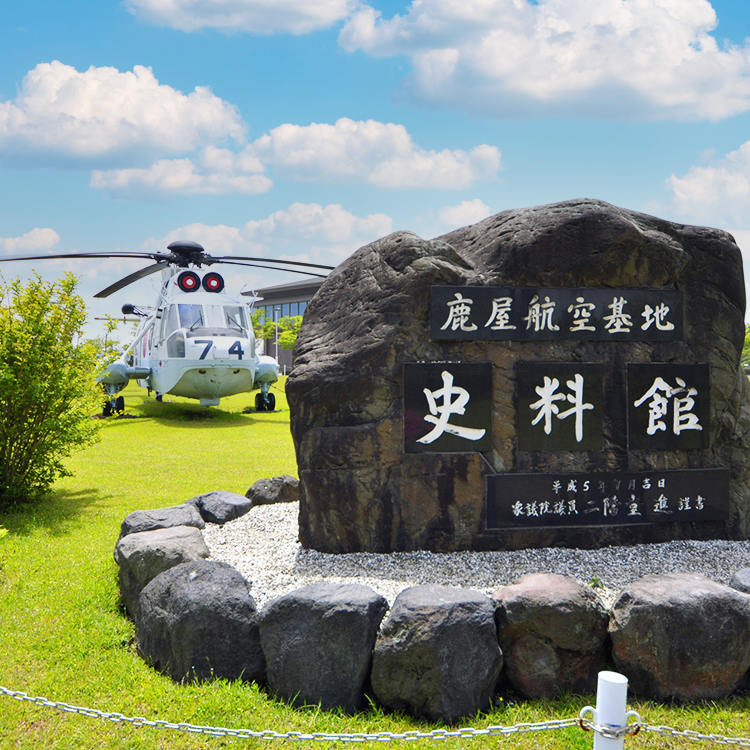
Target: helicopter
{"points": [[196, 341]]}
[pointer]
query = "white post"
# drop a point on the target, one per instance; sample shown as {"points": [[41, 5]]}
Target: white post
{"points": [[611, 708], [276, 321]]}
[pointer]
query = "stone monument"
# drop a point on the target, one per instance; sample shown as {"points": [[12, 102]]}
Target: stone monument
{"points": [[564, 375]]}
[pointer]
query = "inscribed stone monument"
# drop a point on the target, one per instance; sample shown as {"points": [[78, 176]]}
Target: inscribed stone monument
{"points": [[560, 375]]}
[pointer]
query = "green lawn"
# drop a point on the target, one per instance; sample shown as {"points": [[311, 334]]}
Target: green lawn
{"points": [[63, 634]]}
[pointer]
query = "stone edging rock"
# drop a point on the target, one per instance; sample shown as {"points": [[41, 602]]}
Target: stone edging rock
{"points": [[440, 652]]}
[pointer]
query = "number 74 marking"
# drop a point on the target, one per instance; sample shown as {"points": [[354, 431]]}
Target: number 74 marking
{"points": [[236, 348]]}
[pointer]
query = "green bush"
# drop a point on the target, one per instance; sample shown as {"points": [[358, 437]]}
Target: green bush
{"points": [[48, 391]]}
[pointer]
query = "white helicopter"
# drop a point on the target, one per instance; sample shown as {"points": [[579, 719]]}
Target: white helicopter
{"points": [[196, 341]]}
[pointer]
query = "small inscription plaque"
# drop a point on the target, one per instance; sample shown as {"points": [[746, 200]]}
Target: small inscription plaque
{"points": [[535, 500], [513, 314], [447, 407], [560, 406]]}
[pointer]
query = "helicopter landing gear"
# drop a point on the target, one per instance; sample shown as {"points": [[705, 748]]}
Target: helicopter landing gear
{"points": [[265, 400], [159, 397], [114, 403]]}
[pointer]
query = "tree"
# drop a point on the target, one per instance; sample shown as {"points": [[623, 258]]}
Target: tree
{"points": [[107, 347], [258, 318], [745, 358], [288, 329], [48, 390]]}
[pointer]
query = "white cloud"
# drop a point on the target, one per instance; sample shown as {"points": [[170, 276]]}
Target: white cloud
{"points": [[645, 59], [217, 172], [381, 154], [256, 16], [466, 212], [718, 192], [128, 125], [36, 239], [103, 114], [375, 153], [306, 231]]}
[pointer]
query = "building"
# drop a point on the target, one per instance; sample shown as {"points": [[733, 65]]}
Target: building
{"points": [[286, 300]]}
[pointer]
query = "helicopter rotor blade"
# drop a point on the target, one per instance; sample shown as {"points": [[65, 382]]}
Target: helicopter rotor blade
{"points": [[46, 256], [230, 258], [147, 271], [271, 268]]}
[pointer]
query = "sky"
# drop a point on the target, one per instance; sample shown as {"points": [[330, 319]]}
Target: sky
{"points": [[304, 129]]}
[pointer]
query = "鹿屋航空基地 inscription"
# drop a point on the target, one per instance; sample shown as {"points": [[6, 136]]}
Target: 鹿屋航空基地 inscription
{"points": [[668, 406], [518, 314], [447, 407], [560, 406], [626, 498]]}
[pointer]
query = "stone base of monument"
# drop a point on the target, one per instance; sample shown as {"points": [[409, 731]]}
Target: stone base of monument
{"points": [[440, 651], [564, 375]]}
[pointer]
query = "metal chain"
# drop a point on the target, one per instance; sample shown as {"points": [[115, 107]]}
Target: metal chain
{"points": [[436, 734], [689, 734], [269, 734]]}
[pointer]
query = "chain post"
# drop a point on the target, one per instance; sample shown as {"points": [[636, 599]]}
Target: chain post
{"points": [[611, 714]]}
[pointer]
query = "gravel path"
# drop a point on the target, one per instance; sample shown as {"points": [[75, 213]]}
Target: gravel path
{"points": [[263, 546]]}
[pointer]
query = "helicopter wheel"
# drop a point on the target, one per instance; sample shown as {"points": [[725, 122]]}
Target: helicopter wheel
{"points": [[120, 404], [271, 404], [260, 404], [107, 410], [159, 397]]}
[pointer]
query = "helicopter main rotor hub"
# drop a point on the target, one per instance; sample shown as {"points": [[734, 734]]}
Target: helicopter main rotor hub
{"points": [[186, 252]]}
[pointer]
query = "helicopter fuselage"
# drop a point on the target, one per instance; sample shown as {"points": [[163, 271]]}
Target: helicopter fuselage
{"points": [[197, 343]]}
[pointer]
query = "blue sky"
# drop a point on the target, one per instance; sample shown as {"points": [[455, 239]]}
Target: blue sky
{"points": [[306, 128]]}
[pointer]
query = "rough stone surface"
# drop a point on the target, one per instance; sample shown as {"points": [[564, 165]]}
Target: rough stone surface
{"points": [[740, 580], [220, 506], [552, 632], [161, 518], [360, 492], [681, 636], [283, 489], [318, 643], [145, 554], [197, 621], [437, 653]]}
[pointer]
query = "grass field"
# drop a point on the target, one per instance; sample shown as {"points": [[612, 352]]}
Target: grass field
{"points": [[63, 634]]}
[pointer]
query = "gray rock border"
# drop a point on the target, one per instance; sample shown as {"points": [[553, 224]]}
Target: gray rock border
{"points": [[546, 601]]}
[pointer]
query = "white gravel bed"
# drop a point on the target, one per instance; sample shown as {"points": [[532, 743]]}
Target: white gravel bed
{"points": [[263, 546]]}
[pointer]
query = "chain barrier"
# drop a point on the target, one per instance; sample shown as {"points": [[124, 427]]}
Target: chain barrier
{"points": [[689, 734], [496, 730]]}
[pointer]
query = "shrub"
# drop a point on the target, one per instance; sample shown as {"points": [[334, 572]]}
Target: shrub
{"points": [[48, 391]]}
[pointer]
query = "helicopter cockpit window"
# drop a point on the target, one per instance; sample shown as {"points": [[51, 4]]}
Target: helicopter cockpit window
{"points": [[191, 317], [169, 321], [213, 320], [235, 317]]}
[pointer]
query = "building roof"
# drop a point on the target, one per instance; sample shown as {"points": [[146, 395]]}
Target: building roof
{"points": [[298, 291]]}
